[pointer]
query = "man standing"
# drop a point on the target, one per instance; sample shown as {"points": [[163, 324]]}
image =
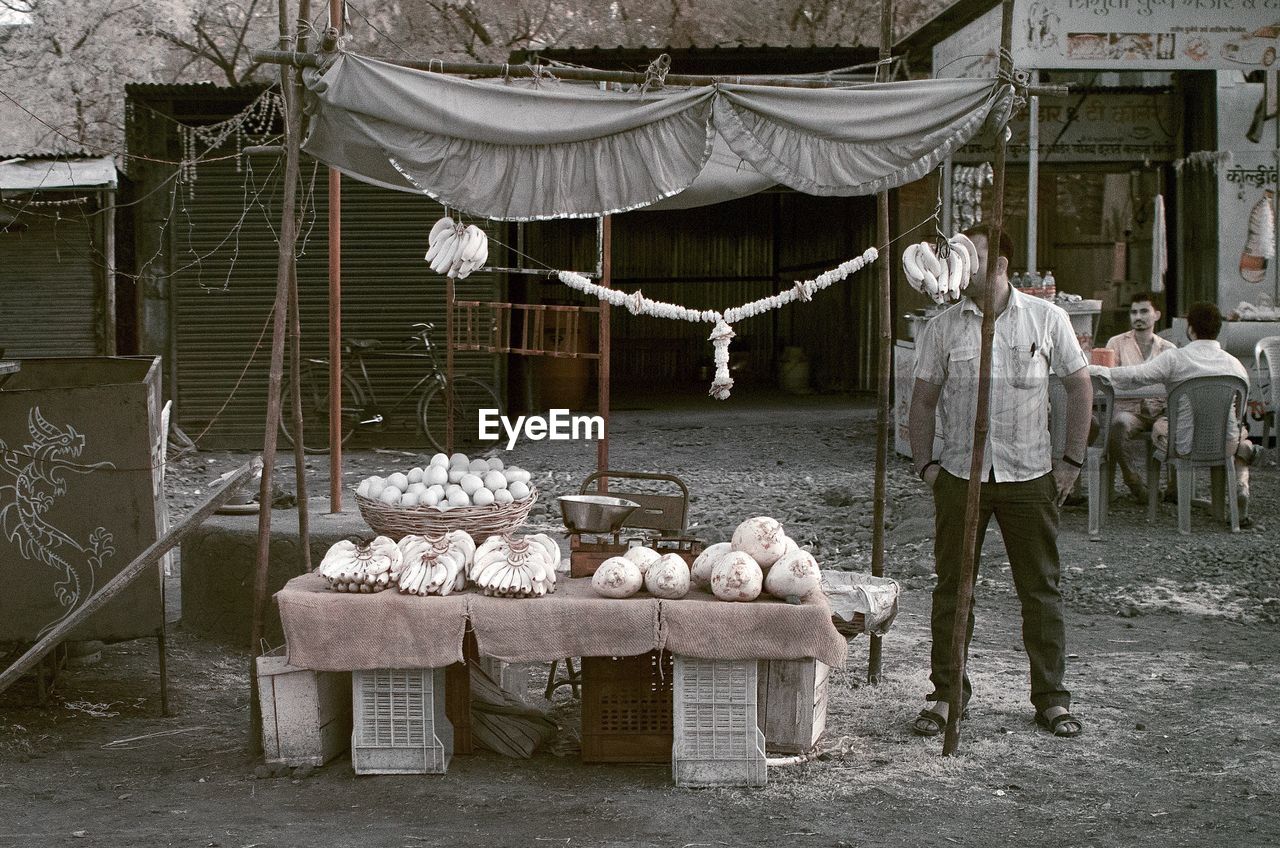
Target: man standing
{"points": [[1133, 417], [1203, 357], [1022, 487]]}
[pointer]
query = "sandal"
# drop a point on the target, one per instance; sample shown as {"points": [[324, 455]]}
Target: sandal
{"points": [[930, 723], [1063, 725]]}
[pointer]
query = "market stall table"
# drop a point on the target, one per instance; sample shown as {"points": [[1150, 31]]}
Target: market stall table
{"points": [[333, 631]]}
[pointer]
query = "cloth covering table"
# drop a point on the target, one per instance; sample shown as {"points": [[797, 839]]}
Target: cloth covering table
{"points": [[338, 631]]}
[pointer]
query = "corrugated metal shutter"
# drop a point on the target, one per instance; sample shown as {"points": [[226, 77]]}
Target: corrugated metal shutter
{"points": [[224, 286], [49, 287]]}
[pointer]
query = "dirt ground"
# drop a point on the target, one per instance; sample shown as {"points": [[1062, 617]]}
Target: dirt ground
{"points": [[1173, 667]]}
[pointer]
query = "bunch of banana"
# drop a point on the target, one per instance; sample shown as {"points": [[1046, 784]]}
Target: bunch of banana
{"points": [[516, 567], [456, 250], [944, 275], [434, 565], [359, 566]]}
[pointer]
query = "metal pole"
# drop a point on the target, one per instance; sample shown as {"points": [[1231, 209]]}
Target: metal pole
{"points": [[1033, 176], [964, 589], [948, 194], [335, 313], [1273, 80], [604, 234], [885, 362]]}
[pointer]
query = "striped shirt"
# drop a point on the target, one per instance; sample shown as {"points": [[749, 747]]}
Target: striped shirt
{"points": [[1032, 337]]}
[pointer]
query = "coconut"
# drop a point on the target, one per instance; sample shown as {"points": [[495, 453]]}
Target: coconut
{"points": [[761, 538], [793, 576], [701, 572], [617, 577], [668, 577], [643, 557], [736, 577]]}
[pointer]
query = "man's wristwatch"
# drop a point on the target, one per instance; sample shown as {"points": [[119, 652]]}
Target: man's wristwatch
{"points": [[1069, 461], [921, 472]]}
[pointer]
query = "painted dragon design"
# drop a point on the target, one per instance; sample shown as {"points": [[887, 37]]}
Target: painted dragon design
{"points": [[38, 470]]}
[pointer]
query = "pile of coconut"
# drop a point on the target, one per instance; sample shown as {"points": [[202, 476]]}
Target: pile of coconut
{"points": [[760, 557]]}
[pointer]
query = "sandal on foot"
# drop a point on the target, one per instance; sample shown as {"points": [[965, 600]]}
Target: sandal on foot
{"points": [[930, 723], [1063, 725]]}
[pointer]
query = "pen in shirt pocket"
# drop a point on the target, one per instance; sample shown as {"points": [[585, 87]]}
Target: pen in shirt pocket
{"points": [[1033, 349]]}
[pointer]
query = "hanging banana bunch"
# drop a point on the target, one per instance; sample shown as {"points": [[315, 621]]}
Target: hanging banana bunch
{"points": [[944, 275], [456, 250]]}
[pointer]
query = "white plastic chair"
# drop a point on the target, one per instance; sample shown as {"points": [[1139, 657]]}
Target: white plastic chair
{"points": [[1266, 363], [1216, 403]]}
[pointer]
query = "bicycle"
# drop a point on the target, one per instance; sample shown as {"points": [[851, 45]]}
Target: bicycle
{"points": [[361, 409]]}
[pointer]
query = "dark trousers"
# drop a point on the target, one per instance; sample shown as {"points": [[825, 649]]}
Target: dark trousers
{"points": [[1028, 519]]}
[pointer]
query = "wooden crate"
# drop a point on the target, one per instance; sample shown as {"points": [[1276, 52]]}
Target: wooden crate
{"points": [[306, 715], [792, 703], [627, 709]]}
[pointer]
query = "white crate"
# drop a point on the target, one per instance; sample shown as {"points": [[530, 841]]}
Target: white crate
{"points": [[717, 740], [306, 715], [400, 725], [791, 700]]}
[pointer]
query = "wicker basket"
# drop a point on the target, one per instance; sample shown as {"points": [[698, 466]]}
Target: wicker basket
{"points": [[480, 521]]}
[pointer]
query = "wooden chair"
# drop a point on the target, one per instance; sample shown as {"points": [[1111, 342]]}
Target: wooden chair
{"points": [[1266, 363], [1097, 471], [1216, 404]]}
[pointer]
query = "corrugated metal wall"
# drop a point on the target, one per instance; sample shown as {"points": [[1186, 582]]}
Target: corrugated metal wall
{"points": [[224, 286], [49, 286]]}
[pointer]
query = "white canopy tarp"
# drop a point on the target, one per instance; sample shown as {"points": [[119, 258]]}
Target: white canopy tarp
{"points": [[520, 151]]}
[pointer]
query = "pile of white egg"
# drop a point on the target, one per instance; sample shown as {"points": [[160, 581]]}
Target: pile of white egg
{"points": [[449, 482]]}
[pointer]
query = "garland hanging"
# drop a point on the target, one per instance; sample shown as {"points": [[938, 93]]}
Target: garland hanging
{"points": [[637, 304]]}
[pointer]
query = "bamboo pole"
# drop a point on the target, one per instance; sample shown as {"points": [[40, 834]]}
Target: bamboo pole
{"points": [[885, 353], [295, 345], [603, 365], [288, 236], [964, 589], [477, 69], [335, 310]]}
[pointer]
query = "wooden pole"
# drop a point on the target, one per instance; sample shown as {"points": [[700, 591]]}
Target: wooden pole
{"points": [[335, 312], [271, 430], [295, 343], [885, 360], [605, 229], [964, 589], [219, 495], [449, 297], [109, 273]]}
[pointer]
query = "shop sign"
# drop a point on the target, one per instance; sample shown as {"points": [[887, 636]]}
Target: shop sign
{"points": [[1094, 127], [1138, 35], [1246, 229]]}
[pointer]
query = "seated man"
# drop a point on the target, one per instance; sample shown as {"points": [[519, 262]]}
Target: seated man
{"points": [[1204, 357], [1133, 417]]}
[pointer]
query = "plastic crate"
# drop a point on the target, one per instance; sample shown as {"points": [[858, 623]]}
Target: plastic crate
{"points": [[717, 740], [627, 708], [399, 721]]}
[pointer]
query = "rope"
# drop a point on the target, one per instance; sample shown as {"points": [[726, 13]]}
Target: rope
{"points": [[655, 76]]}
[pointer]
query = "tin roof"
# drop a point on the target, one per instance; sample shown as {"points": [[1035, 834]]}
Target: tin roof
{"points": [[48, 173]]}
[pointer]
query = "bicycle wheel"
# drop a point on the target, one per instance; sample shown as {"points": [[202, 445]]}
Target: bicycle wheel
{"points": [[469, 397], [315, 408]]}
